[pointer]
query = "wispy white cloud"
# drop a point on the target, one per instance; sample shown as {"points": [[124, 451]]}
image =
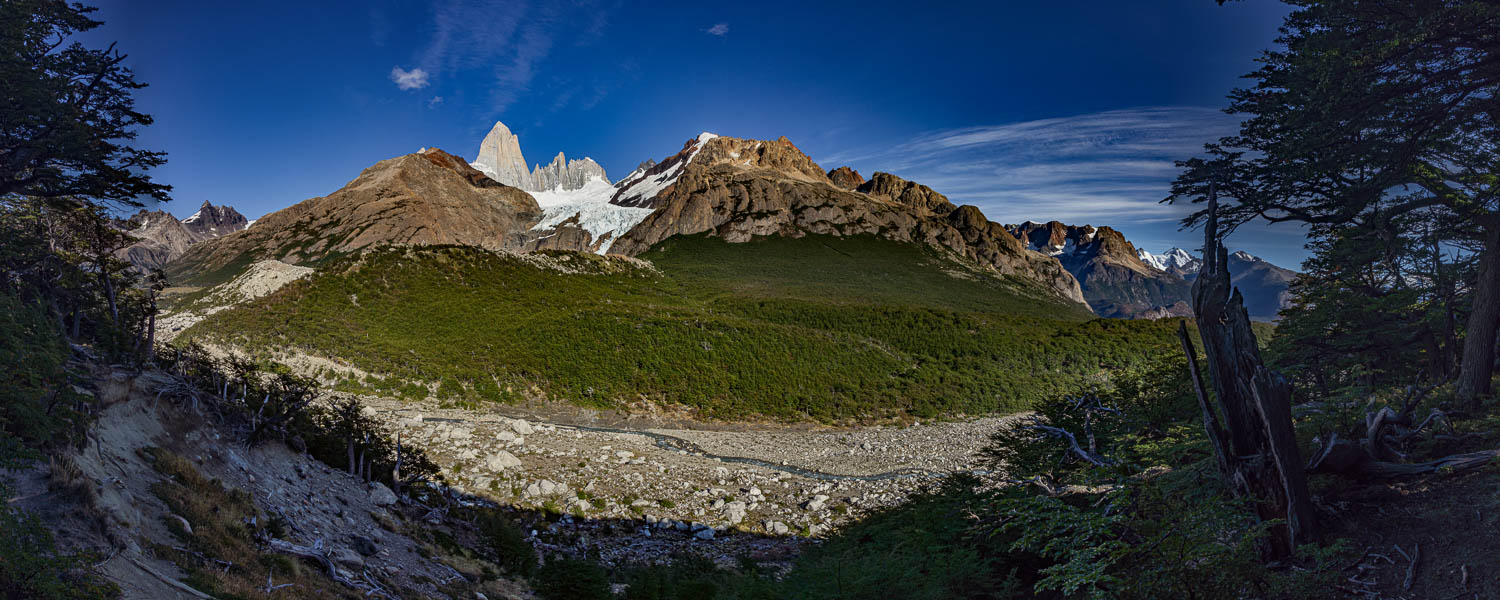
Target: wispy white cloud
{"points": [[1102, 168], [507, 40], [719, 29], [434, 102], [414, 79]]}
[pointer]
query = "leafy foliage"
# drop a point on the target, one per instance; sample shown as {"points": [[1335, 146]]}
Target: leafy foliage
{"points": [[1372, 116], [32, 567], [68, 114], [728, 329], [572, 579]]}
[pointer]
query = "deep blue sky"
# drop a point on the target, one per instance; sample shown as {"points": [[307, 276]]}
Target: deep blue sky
{"points": [[1065, 110]]}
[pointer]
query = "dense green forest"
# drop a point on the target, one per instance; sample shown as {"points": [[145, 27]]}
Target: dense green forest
{"points": [[817, 327]]}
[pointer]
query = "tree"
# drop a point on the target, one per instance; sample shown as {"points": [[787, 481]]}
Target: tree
{"points": [[69, 113], [1374, 309], [1256, 447], [1373, 110]]}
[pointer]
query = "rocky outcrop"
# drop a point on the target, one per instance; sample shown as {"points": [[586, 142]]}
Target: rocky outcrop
{"points": [[915, 196], [739, 189], [213, 221], [566, 174], [430, 197], [160, 239], [1265, 286], [1115, 281], [846, 178], [501, 159]]}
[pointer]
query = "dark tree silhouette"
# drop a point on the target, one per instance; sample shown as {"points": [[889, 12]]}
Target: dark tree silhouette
{"points": [[1374, 110], [68, 115]]}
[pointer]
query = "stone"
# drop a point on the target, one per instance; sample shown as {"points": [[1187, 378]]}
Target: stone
{"points": [[704, 534], [520, 426], [817, 502], [381, 495], [502, 460], [363, 545], [734, 512], [347, 558]]}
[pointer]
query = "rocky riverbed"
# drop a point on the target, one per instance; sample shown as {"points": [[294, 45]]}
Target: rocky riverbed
{"points": [[642, 493]]}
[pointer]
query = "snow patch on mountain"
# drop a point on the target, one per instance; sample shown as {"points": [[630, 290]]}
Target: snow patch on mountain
{"points": [[590, 204], [640, 187], [1176, 258]]}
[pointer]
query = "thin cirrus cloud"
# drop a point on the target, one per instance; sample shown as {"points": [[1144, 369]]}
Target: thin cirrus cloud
{"points": [[1107, 167], [719, 29], [414, 79], [504, 41]]}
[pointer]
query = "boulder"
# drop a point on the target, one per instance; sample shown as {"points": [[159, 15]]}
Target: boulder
{"points": [[520, 426], [502, 460], [381, 495]]}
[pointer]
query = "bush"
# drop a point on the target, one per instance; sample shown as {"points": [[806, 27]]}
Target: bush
{"points": [[32, 567], [571, 579], [507, 540]]}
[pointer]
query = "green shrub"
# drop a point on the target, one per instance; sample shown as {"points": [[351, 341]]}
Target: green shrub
{"points": [[571, 579], [32, 567], [791, 329], [507, 540]]}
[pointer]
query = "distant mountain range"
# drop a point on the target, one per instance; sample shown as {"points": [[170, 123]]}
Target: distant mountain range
{"points": [[161, 238], [734, 189]]}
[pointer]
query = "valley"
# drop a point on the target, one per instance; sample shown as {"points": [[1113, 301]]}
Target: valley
{"points": [[681, 486]]}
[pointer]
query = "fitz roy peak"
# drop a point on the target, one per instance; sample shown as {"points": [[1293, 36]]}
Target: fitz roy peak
{"points": [[501, 159]]}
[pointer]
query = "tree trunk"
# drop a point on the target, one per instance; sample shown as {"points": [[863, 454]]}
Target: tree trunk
{"points": [[1478, 365], [1262, 461]]}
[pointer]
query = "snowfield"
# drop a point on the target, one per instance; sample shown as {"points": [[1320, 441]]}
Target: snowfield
{"points": [[590, 204]]}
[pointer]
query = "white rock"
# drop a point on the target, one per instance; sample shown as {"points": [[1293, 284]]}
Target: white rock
{"points": [[817, 502], [502, 460], [381, 495], [522, 427]]}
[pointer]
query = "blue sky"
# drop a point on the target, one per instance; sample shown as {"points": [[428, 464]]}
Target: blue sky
{"points": [[1068, 111]]}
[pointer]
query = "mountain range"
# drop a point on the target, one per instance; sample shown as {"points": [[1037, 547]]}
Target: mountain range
{"points": [[161, 238], [733, 189]]}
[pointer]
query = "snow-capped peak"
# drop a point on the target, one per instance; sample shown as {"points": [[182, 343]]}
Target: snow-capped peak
{"points": [[705, 136], [1176, 258], [1245, 256], [1151, 260]]}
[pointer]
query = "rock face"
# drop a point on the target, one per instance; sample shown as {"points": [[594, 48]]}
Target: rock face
{"points": [[846, 178], [738, 189], [161, 238], [213, 221], [430, 197], [566, 174], [1122, 281], [1115, 281], [500, 158], [1264, 285]]}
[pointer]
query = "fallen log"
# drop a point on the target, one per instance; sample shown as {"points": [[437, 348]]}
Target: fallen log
{"points": [[1347, 458]]}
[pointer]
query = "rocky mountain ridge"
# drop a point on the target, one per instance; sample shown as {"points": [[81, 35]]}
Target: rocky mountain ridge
{"points": [[1122, 281], [740, 189], [500, 158], [430, 197], [161, 237], [1115, 281]]}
